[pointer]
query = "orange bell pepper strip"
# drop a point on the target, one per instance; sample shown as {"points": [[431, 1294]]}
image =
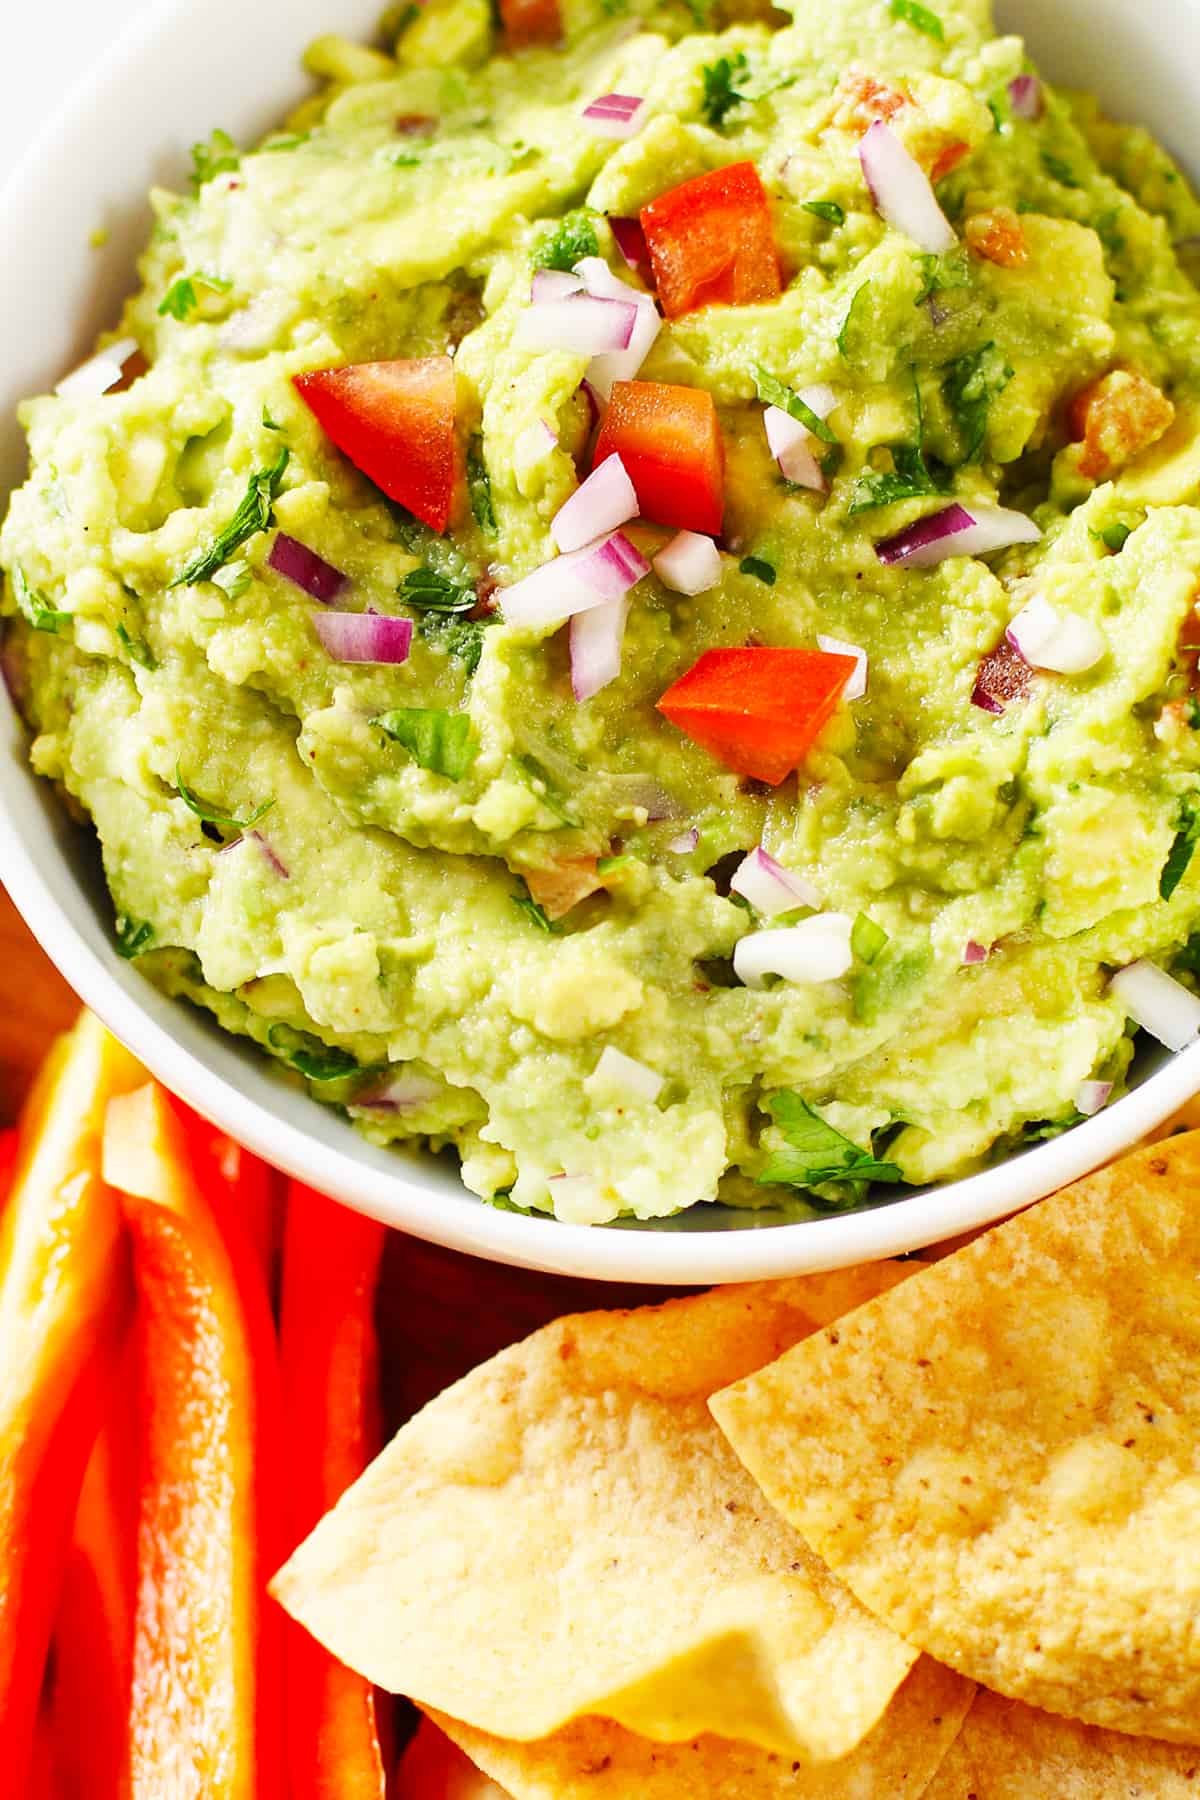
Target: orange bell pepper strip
{"points": [[64, 1303], [669, 440], [205, 1693], [711, 240], [395, 422], [757, 708], [330, 1358]]}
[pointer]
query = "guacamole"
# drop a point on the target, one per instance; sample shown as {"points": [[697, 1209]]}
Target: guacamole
{"points": [[785, 871]]}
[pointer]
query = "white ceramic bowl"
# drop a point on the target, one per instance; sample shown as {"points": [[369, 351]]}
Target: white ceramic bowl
{"points": [[186, 66]]}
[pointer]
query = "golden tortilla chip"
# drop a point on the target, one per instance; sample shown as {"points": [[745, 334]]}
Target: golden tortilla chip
{"points": [[566, 1531], [1002, 1459], [593, 1759], [1009, 1751]]}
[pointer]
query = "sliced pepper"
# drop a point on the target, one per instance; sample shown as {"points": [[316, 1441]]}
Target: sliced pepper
{"points": [[712, 240], [330, 1357], [241, 1185], [8, 1157], [669, 439], [205, 1642], [395, 421], [64, 1302], [758, 708], [531, 22]]}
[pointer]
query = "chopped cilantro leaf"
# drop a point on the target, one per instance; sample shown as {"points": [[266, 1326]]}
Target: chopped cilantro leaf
{"points": [[816, 1153], [181, 299], [534, 776], [1114, 537], [34, 605], [430, 591], [721, 93], [867, 938], [309, 1056], [255, 513], [909, 478], [479, 487], [286, 140], [437, 740], [219, 156], [774, 393], [941, 273], [1060, 170], [970, 385], [854, 321], [137, 649], [533, 912], [1180, 854], [457, 637], [829, 210], [234, 579], [573, 238], [919, 17], [759, 568], [270, 423], [133, 936], [212, 815]]}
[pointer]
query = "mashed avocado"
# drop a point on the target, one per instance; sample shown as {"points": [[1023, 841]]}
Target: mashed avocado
{"points": [[441, 890]]}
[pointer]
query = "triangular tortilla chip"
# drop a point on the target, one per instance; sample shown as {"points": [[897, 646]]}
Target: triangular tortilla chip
{"points": [[593, 1759], [1009, 1751], [1002, 1458], [566, 1531]]}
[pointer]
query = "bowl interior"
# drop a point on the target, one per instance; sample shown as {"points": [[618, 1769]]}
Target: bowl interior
{"points": [[174, 74]]}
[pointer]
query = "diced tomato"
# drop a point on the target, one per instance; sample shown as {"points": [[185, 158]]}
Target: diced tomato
{"points": [[712, 240], [395, 421], [1117, 417], [948, 159], [530, 22], [998, 237], [669, 439], [860, 100], [563, 885], [758, 708]]}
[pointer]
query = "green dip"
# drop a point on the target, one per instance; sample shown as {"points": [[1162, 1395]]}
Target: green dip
{"points": [[377, 912]]}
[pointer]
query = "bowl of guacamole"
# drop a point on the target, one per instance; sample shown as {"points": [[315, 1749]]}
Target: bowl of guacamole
{"points": [[610, 634]]}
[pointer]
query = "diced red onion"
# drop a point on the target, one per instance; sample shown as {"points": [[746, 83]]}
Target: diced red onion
{"points": [[769, 887], [856, 686], [1158, 1003], [582, 323], [571, 584], [1092, 1096], [1064, 642], [817, 949], [596, 639], [902, 192], [622, 363], [617, 1073], [297, 563], [605, 500], [685, 843], [1002, 676], [616, 115], [793, 446], [955, 531], [269, 856], [553, 284], [364, 637], [689, 564], [630, 240], [404, 1093], [973, 952], [257, 326], [1025, 97], [99, 373], [646, 794], [535, 442]]}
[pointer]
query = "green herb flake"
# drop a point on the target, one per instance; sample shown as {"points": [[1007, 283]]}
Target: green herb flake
{"points": [[829, 210], [573, 238], [437, 740], [309, 1056], [536, 914], [854, 320], [181, 298], [941, 274], [287, 140], [759, 568], [255, 513], [218, 156], [136, 649], [970, 384], [773, 392], [33, 604], [269, 423], [867, 938], [816, 1153], [1114, 537], [618, 865], [534, 776], [234, 579], [212, 815], [429, 591], [909, 478], [919, 17], [1179, 856], [479, 487], [134, 936], [1060, 170], [721, 93], [454, 635]]}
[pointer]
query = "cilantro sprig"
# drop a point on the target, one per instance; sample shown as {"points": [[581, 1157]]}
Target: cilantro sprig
{"points": [[310, 1057], [573, 238], [536, 914], [1179, 856], [181, 299], [429, 591], [814, 1153], [437, 740], [218, 155], [133, 936], [759, 567], [829, 210], [33, 604], [970, 384], [212, 815], [255, 513], [774, 392], [479, 488], [721, 92]]}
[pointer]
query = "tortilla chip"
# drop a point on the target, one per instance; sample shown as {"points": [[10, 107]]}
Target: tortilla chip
{"points": [[1008, 1751], [594, 1759], [565, 1531], [1002, 1459]]}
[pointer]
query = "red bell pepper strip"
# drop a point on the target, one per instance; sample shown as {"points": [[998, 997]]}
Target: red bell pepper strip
{"points": [[330, 1358], [758, 709], [712, 240], [246, 1192], [64, 1303], [8, 1157], [669, 440], [205, 1641], [395, 421], [531, 22]]}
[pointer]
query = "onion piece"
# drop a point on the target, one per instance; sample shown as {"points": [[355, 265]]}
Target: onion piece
{"points": [[1061, 641], [685, 843], [269, 856], [973, 952], [793, 446], [553, 284], [571, 584], [99, 373], [623, 1077], [817, 949], [620, 364], [605, 500], [1025, 99], [769, 887], [642, 792], [616, 115], [404, 1093], [957, 531], [579, 1200], [298, 564], [582, 323], [1158, 1003], [364, 637], [689, 564], [902, 192], [856, 687], [1091, 1096], [596, 639], [630, 240]]}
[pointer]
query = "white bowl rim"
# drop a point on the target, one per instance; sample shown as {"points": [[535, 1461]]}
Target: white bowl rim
{"points": [[667, 1257]]}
